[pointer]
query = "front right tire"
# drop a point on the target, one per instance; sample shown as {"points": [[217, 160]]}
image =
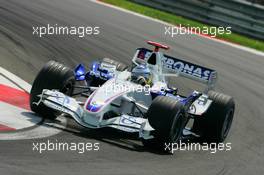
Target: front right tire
{"points": [[53, 75]]}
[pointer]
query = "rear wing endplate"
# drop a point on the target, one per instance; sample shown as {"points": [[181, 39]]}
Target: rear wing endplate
{"points": [[181, 67]]}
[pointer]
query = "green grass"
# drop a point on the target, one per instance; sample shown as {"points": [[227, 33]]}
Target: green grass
{"points": [[177, 20]]}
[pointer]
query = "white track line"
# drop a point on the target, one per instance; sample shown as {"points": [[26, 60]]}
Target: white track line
{"points": [[47, 129], [16, 117], [22, 84], [19, 118], [253, 51]]}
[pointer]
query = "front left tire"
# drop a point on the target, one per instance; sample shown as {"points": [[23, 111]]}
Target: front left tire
{"points": [[168, 117]]}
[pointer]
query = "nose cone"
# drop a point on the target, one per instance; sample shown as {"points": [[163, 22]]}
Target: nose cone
{"points": [[105, 94], [94, 106]]}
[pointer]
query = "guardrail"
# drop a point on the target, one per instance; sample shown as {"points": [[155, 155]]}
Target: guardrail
{"points": [[242, 16]]}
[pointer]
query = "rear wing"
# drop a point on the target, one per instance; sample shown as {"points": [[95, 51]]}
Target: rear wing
{"points": [[180, 67]]}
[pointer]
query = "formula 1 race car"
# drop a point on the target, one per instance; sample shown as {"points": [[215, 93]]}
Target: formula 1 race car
{"points": [[136, 99]]}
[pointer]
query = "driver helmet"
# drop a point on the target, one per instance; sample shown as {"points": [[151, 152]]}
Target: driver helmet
{"points": [[140, 72]]}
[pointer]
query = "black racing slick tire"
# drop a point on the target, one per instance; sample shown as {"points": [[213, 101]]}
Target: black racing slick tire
{"points": [[168, 117], [53, 75], [119, 66], [214, 125]]}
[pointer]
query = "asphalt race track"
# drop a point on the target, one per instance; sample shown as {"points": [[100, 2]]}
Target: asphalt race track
{"points": [[240, 75]]}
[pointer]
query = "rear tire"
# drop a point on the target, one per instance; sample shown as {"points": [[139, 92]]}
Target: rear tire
{"points": [[168, 118], [52, 76], [215, 124]]}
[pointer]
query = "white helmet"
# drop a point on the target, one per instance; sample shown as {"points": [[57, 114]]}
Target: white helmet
{"points": [[141, 71]]}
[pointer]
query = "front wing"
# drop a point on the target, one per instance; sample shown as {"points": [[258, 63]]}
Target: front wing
{"points": [[63, 103]]}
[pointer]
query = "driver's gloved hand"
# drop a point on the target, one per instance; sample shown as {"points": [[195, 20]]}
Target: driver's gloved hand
{"points": [[141, 80]]}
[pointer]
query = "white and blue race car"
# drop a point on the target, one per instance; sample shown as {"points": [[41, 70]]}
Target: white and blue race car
{"points": [[136, 99]]}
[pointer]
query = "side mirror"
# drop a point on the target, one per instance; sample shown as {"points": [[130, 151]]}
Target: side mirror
{"points": [[80, 72], [172, 90]]}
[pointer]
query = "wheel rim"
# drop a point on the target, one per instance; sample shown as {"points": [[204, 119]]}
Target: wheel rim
{"points": [[227, 123], [176, 128]]}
